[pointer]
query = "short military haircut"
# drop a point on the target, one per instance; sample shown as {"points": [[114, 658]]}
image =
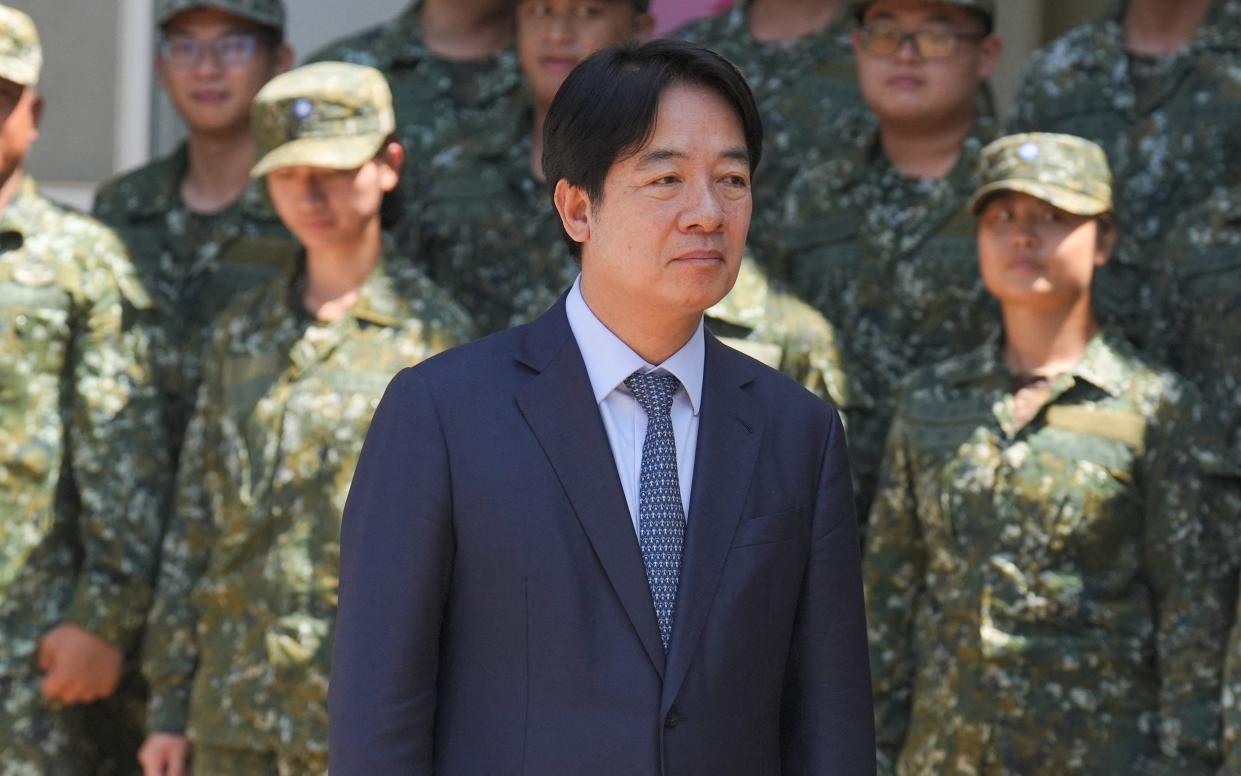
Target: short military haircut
{"points": [[606, 109]]}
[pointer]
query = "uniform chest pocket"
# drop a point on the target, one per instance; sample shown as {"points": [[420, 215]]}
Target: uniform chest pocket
{"points": [[1089, 496], [1213, 274], [35, 321], [823, 262]]}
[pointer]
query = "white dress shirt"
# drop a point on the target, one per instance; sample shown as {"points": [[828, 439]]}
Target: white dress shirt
{"points": [[608, 362]]}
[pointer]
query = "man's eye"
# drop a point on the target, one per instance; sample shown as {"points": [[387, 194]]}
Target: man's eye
{"points": [[589, 11], [736, 180]]}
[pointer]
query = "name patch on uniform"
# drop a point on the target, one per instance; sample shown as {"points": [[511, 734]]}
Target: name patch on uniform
{"points": [[1126, 427]]}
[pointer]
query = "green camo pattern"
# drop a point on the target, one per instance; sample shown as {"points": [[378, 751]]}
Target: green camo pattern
{"points": [[487, 231], [1171, 128], [985, 7], [1068, 172], [433, 97], [1046, 599], [762, 319], [325, 114], [83, 469], [270, 13], [891, 262], [21, 55], [238, 641], [194, 266], [807, 95]]}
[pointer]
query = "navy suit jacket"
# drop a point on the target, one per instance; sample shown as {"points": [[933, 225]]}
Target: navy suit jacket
{"points": [[494, 612]]}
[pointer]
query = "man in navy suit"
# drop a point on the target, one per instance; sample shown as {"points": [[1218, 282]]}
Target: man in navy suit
{"points": [[604, 543]]}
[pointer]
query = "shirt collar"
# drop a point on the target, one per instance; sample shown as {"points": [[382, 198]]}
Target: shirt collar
{"points": [[609, 360]]}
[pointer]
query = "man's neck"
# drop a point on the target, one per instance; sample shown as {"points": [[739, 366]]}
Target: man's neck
{"points": [[466, 30], [218, 171], [1038, 342], [1156, 28], [335, 274], [922, 151], [775, 21], [654, 337], [10, 187]]}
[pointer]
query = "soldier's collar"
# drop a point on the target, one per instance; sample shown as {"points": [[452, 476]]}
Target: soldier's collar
{"points": [[1100, 365], [380, 301], [21, 209], [166, 195], [405, 36]]}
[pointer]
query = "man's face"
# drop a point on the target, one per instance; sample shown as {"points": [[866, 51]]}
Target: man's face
{"points": [[665, 239], [20, 108], [928, 86], [1031, 253], [212, 64], [553, 36], [326, 208]]}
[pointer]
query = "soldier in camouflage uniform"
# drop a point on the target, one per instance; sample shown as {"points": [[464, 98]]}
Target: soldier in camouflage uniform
{"points": [[196, 248], [1171, 126], [1043, 588], [82, 467], [1198, 329], [803, 76], [487, 231], [238, 643], [442, 92], [884, 247]]}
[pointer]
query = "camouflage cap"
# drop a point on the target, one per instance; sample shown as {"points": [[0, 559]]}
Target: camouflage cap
{"points": [[21, 55], [1066, 171], [984, 7], [270, 13], [328, 114]]}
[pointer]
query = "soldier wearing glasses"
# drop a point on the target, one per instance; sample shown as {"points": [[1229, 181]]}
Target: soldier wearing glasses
{"points": [[877, 235], [200, 232]]}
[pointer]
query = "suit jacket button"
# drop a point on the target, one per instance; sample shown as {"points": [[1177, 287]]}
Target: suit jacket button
{"points": [[674, 718]]}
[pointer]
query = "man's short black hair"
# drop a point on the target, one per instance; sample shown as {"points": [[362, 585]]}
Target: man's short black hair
{"points": [[607, 108]]}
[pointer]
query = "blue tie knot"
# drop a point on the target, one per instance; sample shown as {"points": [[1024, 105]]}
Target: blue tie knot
{"points": [[654, 391]]}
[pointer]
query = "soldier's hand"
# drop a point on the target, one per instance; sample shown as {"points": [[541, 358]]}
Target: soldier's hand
{"points": [[78, 666], [164, 754]]}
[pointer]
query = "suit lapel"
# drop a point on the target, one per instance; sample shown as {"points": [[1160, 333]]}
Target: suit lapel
{"points": [[729, 436], [559, 406]]}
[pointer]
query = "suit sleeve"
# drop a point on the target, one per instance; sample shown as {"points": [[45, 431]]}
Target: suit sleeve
{"points": [[827, 722], [397, 550]]}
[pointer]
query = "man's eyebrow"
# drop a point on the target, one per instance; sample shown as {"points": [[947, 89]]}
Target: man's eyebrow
{"points": [[657, 155]]}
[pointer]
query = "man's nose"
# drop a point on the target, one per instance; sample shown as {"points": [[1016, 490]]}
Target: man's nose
{"points": [[704, 211]]}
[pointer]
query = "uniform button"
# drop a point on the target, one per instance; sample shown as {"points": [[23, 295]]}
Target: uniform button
{"points": [[674, 718]]}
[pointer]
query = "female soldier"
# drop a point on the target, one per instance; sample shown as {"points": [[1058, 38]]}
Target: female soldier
{"points": [[1041, 593], [239, 639]]}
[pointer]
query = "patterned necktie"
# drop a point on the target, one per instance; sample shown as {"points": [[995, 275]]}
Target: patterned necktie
{"points": [[661, 517]]}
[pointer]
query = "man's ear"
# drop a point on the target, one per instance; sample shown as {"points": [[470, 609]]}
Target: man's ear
{"points": [[1107, 239], [573, 205], [990, 49], [284, 58]]}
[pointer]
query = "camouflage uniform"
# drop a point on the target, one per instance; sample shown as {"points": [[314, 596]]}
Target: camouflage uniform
{"points": [[82, 462], [194, 265], [807, 94], [807, 90], [891, 262], [435, 99], [762, 319], [487, 231], [1171, 128], [1200, 327], [239, 637], [1040, 598], [270, 13]]}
